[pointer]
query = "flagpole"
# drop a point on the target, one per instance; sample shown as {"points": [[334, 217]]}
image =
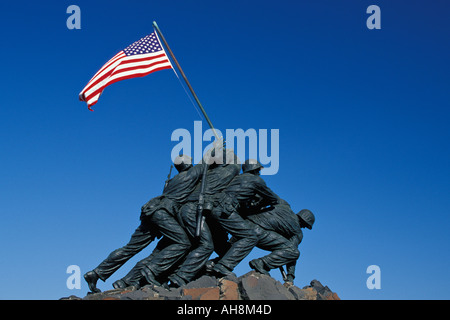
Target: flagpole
{"points": [[185, 79]]}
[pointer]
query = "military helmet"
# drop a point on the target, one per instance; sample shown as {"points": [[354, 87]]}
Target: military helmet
{"points": [[183, 162], [250, 165], [307, 217]]}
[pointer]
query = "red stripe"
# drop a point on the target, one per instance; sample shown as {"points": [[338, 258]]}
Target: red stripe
{"points": [[128, 61], [106, 65], [100, 79], [120, 55], [90, 105], [126, 77], [124, 70], [94, 81], [139, 74], [111, 72], [137, 59], [143, 66]]}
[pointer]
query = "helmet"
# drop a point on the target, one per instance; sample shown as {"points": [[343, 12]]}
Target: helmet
{"points": [[183, 163], [307, 217], [250, 165]]}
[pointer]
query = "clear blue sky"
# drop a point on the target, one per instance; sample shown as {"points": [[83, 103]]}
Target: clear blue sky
{"points": [[363, 118]]}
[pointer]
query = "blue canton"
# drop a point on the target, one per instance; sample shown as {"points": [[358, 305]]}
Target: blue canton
{"points": [[148, 44]]}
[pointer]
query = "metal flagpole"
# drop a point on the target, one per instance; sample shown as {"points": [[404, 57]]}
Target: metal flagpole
{"points": [[185, 79], [199, 215]]}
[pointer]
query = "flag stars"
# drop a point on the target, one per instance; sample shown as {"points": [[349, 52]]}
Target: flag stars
{"points": [[148, 44]]}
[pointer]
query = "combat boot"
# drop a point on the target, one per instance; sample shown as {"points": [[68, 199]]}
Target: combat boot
{"points": [[259, 266], [91, 278], [221, 271]]}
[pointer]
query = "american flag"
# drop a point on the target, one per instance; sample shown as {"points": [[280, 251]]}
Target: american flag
{"points": [[137, 60]]}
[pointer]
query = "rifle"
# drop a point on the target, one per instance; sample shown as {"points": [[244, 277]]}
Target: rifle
{"points": [[168, 177], [201, 202], [201, 199]]}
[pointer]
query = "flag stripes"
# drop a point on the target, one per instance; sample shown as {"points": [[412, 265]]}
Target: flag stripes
{"points": [[137, 60]]}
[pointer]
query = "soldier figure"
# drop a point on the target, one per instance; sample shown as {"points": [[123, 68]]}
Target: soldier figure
{"points": [[223, 169], [241, 190], [279, 231], [158, 218]]}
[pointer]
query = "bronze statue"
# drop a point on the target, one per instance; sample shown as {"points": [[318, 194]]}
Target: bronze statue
{"points": [[199, 208], [158, 218]]}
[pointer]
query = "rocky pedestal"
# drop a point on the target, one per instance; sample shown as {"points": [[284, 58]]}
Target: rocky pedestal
{"points": [[250, 286]]}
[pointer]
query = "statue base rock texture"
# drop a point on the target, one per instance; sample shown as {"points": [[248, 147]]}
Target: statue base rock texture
{"points": [[250, 286]]}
